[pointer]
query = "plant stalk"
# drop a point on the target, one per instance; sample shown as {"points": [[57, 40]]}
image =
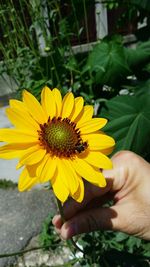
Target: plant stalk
{"points": [[63, 219]]}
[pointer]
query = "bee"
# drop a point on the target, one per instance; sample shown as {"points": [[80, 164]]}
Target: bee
{"points": [[81, 147]]}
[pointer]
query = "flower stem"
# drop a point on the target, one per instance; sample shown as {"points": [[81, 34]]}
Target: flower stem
{"points": [[21, 252], [70, 241]]}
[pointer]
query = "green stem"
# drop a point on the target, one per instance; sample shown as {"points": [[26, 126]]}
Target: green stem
{"points": [[21, 252], [56, 72], [76, 21], [86, 22], [28, 250], [63, 219], [67, 38]]}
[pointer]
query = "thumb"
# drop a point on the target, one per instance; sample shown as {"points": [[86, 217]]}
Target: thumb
{"points": [[91, 220]]}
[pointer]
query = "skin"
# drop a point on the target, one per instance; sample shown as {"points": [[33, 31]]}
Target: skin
{"points": [[128, 186]]}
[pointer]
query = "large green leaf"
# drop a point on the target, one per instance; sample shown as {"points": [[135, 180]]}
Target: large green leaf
{"points": [[142, 88], [129, 123], [139, 57], [107, 62]]}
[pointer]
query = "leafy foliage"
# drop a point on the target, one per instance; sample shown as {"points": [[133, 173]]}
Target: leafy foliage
{"points": [[141, 4], [48, 237], [103, 248], [105, 60], [115, 249], [6, 184], [128, 116], [138, 58]]}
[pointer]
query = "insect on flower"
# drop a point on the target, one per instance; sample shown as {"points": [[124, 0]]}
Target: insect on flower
{"points": [[81, 147]]}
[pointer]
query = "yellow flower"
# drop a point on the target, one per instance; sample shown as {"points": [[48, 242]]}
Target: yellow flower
{"points": [[56, 141]]}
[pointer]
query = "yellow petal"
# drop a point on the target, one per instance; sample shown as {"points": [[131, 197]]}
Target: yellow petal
{"points": [[92, 125], [32, 156], [22, 119], [79, 194], [58, 100], [17, 136], [69, 175], [86, 116], [32, 170], [48, 102], [40, 165], [78, 107], [59, 188], [25, 181], [67, 105], [34, 107], [107, 151], [89, 173], [98, 141], [60, 168], [17, 105], [97, 159], [48, 170], [13, 150]]}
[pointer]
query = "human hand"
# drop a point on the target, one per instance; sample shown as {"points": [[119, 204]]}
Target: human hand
{"points": [[128, 185]]}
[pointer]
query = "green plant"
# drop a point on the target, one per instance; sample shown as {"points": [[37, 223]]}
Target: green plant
{"points": [[107, 249], [6, 184], [48, 237]]}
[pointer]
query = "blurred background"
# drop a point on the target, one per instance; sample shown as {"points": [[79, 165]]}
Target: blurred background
{"points": [[97, 49]]}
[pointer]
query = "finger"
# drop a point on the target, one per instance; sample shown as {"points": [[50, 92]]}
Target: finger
{"points": [[58, 231], [95, 203], [89, 221], [57, 221], [71, 207]]}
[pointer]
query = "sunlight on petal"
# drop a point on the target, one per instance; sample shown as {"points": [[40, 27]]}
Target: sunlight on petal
{"points": [[16, 104], [17, 136], [48, 170], [88, 172], [11, 151], [97, 159], [78, 107], [86, 116], [22, 120], [32, 156], [67, 105], [99, 141], [59, 188], [70, 176], [79, 194], [34, 107], [25, 181], [48, 102], [58, 100], [92, 125]]}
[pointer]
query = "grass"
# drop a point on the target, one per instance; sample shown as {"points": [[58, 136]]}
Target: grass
{"points": [[6, 184]]}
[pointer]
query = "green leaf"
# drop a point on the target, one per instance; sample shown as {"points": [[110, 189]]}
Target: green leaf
{"points": [[129, 122], [143, 88], [144, 4], [138, 57], [107, 62], [121, 237]]}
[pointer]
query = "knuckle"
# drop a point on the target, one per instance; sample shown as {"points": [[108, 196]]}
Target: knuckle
{"points": [[125, 157]]}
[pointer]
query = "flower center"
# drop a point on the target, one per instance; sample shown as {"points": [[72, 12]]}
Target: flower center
{"points": [[61, 138]]}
